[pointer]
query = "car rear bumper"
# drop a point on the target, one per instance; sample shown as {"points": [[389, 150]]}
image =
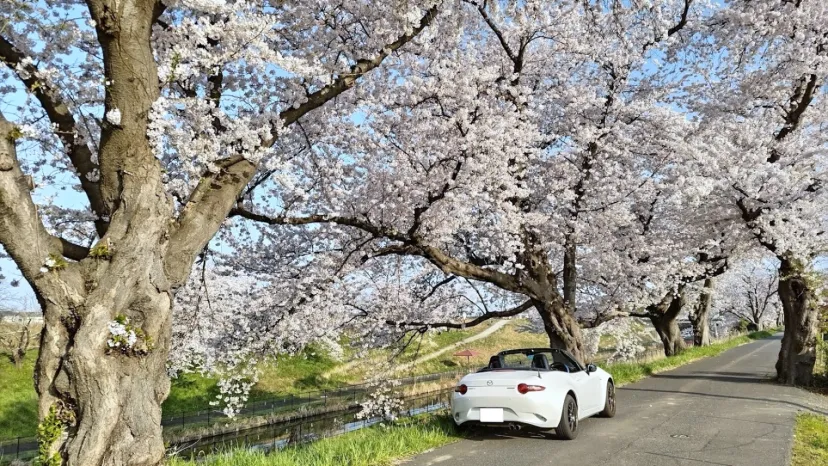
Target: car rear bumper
{"points": [[532, 409]]}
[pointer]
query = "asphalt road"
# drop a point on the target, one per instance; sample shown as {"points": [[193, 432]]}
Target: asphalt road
{"points": [[717, 411]]}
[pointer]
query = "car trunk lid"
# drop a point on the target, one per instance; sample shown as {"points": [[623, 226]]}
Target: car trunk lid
{"points": [[497, 378]]}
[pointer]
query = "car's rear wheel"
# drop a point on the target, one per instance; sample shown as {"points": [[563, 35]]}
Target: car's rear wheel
{"points": [[568, 427], [609, 404]]}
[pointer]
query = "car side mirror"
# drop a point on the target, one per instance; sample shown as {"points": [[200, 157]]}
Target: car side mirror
{"points": [[591, 368]]}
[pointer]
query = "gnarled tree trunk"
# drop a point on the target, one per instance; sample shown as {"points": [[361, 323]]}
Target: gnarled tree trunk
{"points": [[109, 399], [562, 328], [797, 356], [663, 316], [700, 317], [557, 315]]}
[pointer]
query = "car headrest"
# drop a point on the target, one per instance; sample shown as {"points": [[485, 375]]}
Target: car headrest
{"points": [[539, 362], [494, 362]]}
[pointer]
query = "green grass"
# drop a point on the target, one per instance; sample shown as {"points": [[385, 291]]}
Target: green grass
{"points": [[281, 376], [629, 372], [375, 446], [810, 440], [18, 400]]}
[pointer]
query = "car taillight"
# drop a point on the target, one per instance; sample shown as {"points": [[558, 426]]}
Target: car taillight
{"points": [[461, 389], [524, 389]]}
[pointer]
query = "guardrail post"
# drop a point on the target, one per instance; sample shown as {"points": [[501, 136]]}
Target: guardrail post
{"points": [[17, 453], [208, 417], [325, 396], [182, 418]]}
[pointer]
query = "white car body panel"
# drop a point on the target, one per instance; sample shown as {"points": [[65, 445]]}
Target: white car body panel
{"points": [[542, 409]]}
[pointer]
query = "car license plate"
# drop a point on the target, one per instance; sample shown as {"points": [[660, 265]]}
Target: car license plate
{"points": [[491, 414]]}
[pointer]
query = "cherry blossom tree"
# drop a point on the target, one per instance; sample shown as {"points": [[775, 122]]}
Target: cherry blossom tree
{"points": [[699, 314], [160, 114], [762, 108], [750, 292], [498, 176]]}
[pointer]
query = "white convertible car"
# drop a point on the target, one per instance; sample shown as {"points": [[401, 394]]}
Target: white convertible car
{"points": [[540, 388]]}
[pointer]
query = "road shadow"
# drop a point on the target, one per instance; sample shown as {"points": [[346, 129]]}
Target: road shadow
{"points": [[732, 397], [734, 374], [479, 433], [753, 378]]}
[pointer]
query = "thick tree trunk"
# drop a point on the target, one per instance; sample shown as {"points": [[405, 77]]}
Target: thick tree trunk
{"points": [[562, 328], [700, 317], [663, 316], [670, 334], [570, 272], [108, 400], [797, 356]]}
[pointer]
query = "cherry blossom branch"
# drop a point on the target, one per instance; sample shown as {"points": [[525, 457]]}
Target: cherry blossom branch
{"points": [[477, 321], [66, 127], [22, 233], [216, 193], [682, 22], [434, 288], [799, 102], [496, 30], [363, 225], [412, 246]]}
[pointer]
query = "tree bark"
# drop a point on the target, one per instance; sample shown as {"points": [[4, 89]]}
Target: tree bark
{"points": [[663, 316], [797, 356], [570, 272], [700, 317], [562, 328]]}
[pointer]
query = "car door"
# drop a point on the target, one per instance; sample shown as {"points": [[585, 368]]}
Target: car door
{"points": [[587, 386]]}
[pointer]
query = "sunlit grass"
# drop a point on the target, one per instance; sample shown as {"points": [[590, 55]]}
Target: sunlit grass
{"points": [[810, 440], [375, 446], [18, 399]]}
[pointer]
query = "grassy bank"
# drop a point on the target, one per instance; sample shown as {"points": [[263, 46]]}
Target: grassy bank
{"points": [[18, 399], [375, 446], [629, 372], [810, 440]]}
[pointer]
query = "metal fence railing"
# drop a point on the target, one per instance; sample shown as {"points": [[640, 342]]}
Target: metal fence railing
{"points": [[312, 400], [302, 429]]}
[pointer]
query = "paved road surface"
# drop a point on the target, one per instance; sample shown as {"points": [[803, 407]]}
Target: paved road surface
{"points": [[717, 411]]}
